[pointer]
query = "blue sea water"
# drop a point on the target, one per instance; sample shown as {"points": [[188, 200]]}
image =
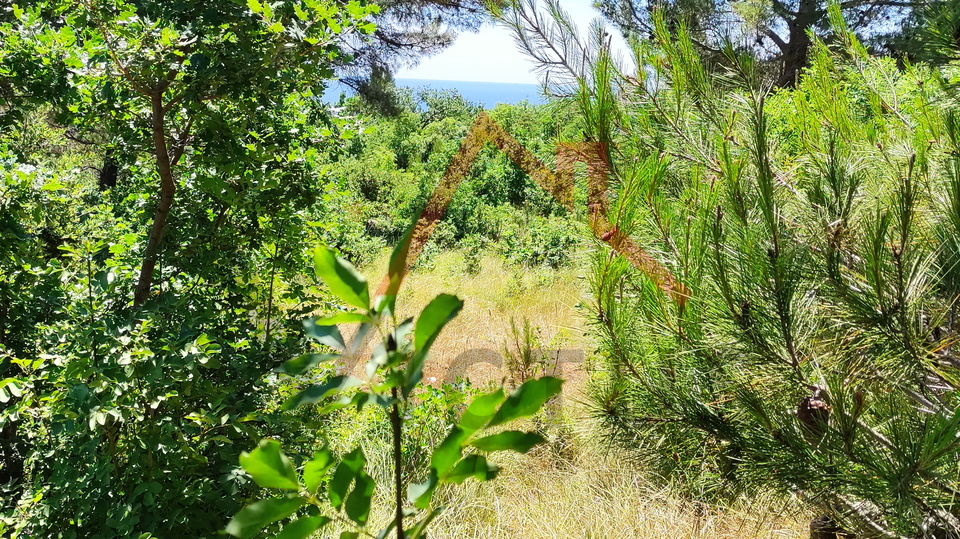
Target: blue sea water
{"points": [[489, 94]]}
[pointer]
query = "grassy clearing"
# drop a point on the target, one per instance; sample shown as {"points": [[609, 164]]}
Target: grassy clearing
{"points": [[588, 492], [472, 344], [573, 486]]}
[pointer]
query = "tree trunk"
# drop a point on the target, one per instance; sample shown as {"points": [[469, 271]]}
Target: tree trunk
{"points": [[167, 189], [798, 44], [107, 178]]}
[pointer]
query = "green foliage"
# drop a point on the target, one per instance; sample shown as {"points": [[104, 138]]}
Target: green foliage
{"points": [[339, 491], [540, 241], [119, 419], [397, 161], [815, 357]]}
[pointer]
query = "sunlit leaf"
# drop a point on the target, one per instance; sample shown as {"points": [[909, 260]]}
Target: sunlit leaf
{"points": [[346, 471], [342, 278], [398, 261], [420, 528], [315, 470], [341, 318], [269, 467], [448, 452], [328, 335], [302, 528], [511, 440], [319, 392], [357, 504], [527, 399], [419, 494], [304, 363], [472, 466], [434, 317], [252, 518], [481, 410]]}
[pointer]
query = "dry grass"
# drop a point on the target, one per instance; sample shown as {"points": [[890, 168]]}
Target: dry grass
{"points": [[572, 487], [591, 493], [471, 345]]}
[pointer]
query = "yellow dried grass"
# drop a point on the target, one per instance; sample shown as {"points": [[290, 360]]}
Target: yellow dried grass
{"points": [[573, 487]]}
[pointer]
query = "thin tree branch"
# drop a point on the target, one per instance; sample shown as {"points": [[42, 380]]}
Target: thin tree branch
{"points": [[777, 40], [113, 53]]}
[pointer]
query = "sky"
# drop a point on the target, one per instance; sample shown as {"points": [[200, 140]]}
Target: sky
{"points": [[490, 55]]}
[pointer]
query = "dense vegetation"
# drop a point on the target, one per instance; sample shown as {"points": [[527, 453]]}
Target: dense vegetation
{"points": [[815, 230], [146, 402], [176, 201]]}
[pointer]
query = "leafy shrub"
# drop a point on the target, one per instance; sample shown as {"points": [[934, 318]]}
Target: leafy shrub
{"points": [[536, 241], [340, 490], [473, 248], [432, 412]]}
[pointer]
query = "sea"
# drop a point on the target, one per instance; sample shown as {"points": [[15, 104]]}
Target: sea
{"points": [[489, 94]]}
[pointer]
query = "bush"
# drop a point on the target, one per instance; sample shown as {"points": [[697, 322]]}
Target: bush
{"points": [[339, 490], [537, 241]]}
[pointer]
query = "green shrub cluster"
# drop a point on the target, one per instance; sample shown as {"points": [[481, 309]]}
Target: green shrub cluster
{"points": [[123, 415], [392, 167]]}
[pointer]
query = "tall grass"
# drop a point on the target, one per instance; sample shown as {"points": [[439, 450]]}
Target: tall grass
{"points": [[573, 486], [472, 344]]}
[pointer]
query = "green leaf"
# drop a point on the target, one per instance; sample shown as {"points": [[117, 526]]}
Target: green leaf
{"points": [[481, 410], [347, 470], [341, 318], [357, 505], [420, 529], [448, 452], [435, 315], [398, 261], [349, 535], [269, 467], [472, 466], [511, 440], [10, 387], [314, 470], [386, 531], [527, 399], [302, 527], [359, 338], [255, 516], [328, 335], [360, 400], [254, 6], [304, 363], [343, 279], [276, 28], [419, 494], [383, 305], [321, 391]]}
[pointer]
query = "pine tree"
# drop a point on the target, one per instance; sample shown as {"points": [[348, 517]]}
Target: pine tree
{"points": [[776, 30], [818, 231]]}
